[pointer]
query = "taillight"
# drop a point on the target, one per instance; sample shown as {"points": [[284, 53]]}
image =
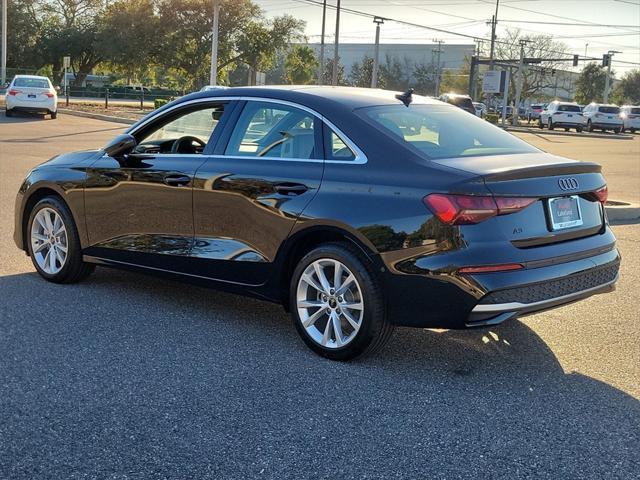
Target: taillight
{"points": [[470, 209], [602, 194], [49, 94], [492, 268], [13, 92]]}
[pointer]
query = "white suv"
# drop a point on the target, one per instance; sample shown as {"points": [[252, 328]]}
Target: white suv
{"points": [[562, 115], [604, 117], [630, 115], [29, 93]]}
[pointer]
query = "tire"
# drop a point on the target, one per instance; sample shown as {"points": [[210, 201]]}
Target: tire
{"points": [[540, 124], [632, 130], [374, 329], [9, 113], [579, 129], [550, 124], [617, 130], [566, 129], [589, 126], [54, 115], [69, 269]]}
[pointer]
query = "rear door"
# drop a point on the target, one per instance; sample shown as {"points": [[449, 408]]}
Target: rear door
{"points": [[248, 195]]}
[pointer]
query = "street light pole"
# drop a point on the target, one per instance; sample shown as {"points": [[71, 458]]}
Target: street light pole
{"points": [[3, 61], [213, 75], [321, 67], [334, 76], [374, 71]]}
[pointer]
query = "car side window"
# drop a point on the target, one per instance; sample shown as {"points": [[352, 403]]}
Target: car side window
{"points": [[273, 130], [187, 132], [335, 147]]}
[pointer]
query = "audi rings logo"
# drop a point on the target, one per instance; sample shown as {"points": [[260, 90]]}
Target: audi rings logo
{"points": [[568, 183]]}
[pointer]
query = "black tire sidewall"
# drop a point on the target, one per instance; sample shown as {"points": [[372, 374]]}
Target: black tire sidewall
{"points": [[74, 252], [374, 319]]}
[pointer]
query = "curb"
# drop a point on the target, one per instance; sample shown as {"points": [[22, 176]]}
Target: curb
{"points": [[97, 116], [584, 134], [622, 212]]}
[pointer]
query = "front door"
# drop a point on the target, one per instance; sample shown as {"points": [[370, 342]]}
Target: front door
{"points": [[266, 168], [139, 208]]}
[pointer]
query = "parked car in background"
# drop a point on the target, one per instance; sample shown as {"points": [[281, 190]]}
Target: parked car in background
{"points": [[630, 115], [481, 109], [356, 209], [565, 115], [33, 94], [603, 117], [462, 101], [534, 111], [209, 88]]}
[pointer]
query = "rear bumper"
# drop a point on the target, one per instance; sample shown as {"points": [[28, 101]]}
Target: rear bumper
{"points": [[567, 124], [48, 106], [606, 125], [496, 307]]}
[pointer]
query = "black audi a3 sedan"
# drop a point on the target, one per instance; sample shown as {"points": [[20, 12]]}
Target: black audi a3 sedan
{"points": [[356, 209]]}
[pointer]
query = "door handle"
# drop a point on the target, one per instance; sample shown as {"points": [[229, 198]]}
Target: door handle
{"points": [[177, 180], [290, 188]]}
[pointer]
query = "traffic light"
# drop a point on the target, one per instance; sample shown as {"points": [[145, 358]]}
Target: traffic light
{"points": [[575, 60], [606, 58]]}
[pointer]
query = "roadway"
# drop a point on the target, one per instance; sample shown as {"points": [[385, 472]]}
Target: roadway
{"points": [[127, 376]]}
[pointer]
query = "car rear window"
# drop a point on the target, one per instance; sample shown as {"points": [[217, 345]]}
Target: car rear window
{"points": [[609, 109], [635, 111], [462, 102], [31, 83], [569, 108], [439, 131]]}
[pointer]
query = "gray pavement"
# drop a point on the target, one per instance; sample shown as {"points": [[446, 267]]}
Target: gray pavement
{"points": [[126, 376]]}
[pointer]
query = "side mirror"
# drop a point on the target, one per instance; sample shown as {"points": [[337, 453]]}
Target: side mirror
{"points": [[120, 145]]}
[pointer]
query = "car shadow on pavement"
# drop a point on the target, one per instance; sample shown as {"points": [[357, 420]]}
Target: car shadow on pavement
{"points": [[232, 372], [22, 117]]}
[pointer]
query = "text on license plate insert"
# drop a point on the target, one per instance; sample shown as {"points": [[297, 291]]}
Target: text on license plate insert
{"points": [[564, 212]]}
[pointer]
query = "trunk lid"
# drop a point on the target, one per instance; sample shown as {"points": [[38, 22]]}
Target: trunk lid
{"points": [[565, 208]]}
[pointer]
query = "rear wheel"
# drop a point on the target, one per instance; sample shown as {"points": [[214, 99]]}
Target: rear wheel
{"points": [[9, 113], [579, 129], [53, 243], [54, 115], [566, 129], [589, 126], [632, 130], [617, 130], [337, 305]]}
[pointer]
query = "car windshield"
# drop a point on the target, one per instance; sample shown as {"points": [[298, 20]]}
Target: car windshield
{"points": [[31, 83], [569, 108], [439, 131], [609, 109]]}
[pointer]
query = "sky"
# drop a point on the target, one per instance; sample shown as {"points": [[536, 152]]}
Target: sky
{"points": [[602, 24]]}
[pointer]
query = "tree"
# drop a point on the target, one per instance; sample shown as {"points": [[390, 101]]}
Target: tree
{"points": [[327, 75], [362, 73], [300, 65], [536, 78], [628, 90], [424, 79], [590, 84], [394, 74], [23, 34]]}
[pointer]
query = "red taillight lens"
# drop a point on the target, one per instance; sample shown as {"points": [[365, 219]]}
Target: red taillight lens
{"points": [[492, 268], [13, 92], [602, 194], [49, 94], [470, 209]]}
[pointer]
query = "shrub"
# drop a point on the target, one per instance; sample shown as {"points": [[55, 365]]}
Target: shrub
{"points": [[492, 118], [159, 102]]}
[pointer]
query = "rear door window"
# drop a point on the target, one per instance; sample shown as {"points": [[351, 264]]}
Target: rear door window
{"points": [[569, 108], [273, 130], [609, 109]]}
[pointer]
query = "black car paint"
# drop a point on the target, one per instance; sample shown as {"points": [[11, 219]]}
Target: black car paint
{"points": [[244, 234]]}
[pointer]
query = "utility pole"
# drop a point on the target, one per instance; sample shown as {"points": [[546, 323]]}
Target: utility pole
{"points": [[438, 51], [334, 77], [586, 45], [374, 71], [213, 76], [519, 83], [3, 61], [494, 23], [321, 67], [607, 83], [473, 72]]}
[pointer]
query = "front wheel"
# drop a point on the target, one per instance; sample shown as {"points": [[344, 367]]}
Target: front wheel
{"points": [[550, 124], [579, 129], [54, 115], [632, 130], [337, 305], [54, 244]]}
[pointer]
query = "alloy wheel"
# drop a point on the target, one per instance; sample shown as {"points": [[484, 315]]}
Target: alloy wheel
{"points": [[330, 303], [49, 241]]}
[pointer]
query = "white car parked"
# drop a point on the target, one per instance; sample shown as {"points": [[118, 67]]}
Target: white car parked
{"points": [[604, 117], [30, 93], [630, 115], [481, 109], [562, 115]]}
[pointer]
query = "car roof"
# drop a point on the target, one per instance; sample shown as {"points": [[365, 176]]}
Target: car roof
{"points": [[349, 97], [38, 77]]}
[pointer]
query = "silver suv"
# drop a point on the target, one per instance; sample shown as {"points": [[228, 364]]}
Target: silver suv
{"points": [[603, 116]]}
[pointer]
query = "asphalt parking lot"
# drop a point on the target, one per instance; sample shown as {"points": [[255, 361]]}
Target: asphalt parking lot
{"points": [[126, 376]]}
